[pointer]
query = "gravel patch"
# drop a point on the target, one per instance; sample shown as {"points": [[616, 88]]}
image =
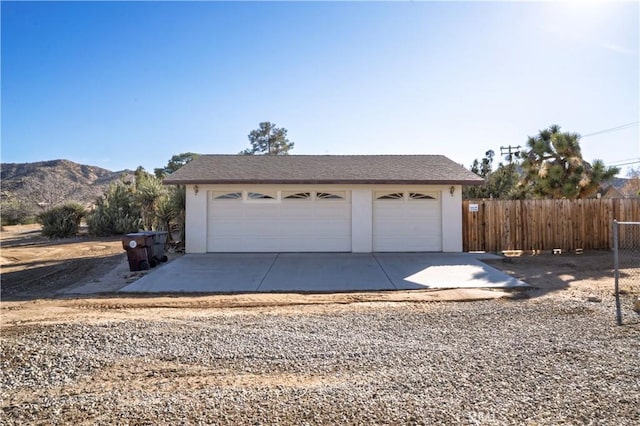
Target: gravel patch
{"points": [[493, 362]]}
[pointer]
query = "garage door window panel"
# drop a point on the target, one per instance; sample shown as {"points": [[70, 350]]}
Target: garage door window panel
{"points": [[287, 195], [262, 196], [331, 195], [227, 195], [421, 196], [389, 196]]}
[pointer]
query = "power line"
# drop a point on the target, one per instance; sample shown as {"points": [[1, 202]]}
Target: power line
{"points": [[628, 159], [626, 164], [613, 129]]}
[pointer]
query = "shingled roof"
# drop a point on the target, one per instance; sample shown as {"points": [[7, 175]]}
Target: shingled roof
{"points": [[323, 169]]}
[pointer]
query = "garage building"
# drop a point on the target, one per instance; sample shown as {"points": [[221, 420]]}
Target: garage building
{"points": [[323, 203]]}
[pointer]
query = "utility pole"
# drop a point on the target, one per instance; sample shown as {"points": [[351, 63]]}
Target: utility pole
{"points": [[508, 151]]}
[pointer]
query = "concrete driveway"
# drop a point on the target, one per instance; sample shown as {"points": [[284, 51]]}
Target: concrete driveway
{"points": [[321, 272]]}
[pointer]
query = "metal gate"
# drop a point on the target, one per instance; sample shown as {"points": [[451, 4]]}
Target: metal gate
{"points": [[626, 263]]}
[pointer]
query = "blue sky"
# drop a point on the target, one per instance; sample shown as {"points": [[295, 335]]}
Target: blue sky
{"points": [[120, 84]]}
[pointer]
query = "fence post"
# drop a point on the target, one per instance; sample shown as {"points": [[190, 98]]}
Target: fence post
{"points": [[616, 273]]}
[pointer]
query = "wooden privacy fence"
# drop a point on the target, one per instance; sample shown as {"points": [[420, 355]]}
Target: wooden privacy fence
{"points": [[499, 225]]}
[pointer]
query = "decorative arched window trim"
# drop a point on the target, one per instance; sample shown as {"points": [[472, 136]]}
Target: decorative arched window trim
{"points": [[338, 195], [421, 196], [227, 195], [390, 196], [296, 195], [261, 196]]}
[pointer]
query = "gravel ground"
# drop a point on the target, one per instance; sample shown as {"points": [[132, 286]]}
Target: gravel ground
{"points": [[535, 361]]}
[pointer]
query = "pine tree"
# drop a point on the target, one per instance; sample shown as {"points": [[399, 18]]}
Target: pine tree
{"points": [[268, 140]]}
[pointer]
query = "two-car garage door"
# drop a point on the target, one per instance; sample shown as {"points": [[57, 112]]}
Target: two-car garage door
{"points": [[320, 221], [279, 221]]}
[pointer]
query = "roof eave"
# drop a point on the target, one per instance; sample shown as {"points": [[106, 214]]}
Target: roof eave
{"points": [[320, 182]]}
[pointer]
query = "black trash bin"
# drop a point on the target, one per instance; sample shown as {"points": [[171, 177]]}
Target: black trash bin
{"points": [[157, 251], [139, 246]]}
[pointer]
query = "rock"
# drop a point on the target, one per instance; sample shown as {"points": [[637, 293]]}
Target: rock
{"points": [[594, 299]]}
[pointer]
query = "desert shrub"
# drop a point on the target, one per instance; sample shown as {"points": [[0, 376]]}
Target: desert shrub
{"points": [[150, 195], [62, 221], [170, 213], [163, 214], [178, 205], [132, 206], [14, 211], [116, 212]]}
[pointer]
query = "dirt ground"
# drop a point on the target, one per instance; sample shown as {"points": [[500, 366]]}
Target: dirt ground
{"points": [[34, 266], [36, 272], [215, 359]]}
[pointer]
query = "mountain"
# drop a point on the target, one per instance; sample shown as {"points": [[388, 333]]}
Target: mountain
{"points": [[30, 188]]}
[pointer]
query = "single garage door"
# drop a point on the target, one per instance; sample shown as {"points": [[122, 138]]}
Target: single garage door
{"points": [[407, 221], [279, 221]]}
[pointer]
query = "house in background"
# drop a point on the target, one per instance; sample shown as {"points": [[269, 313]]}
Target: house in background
{"points": [[610, 191], [323, 203], [622, 188]]}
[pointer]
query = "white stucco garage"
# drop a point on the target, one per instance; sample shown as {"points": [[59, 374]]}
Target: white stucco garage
{"points": [[368, 203]]}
